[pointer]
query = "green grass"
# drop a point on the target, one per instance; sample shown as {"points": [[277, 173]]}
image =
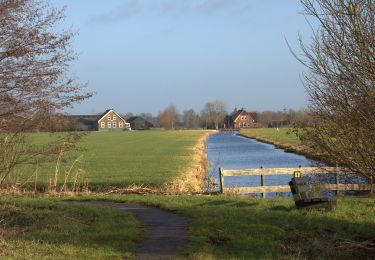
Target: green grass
{"points": [[120, 159], [281, 135], [223, 227], [49, 228]]}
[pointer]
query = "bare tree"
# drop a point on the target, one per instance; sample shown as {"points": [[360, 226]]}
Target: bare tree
{"points": [[169, 117], [34, 62], [341, 81], [149, 117], [191, 119], [214, 113]]}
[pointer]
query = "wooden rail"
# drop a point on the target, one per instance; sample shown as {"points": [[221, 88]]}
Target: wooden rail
{"points": [[263, 172]]}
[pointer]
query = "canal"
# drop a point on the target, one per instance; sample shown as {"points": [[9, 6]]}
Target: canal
{"points": [[232, 151]]}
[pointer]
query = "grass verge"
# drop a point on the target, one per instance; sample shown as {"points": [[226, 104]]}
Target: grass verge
{"points": [[283, 138], [228, 227], [50, 228], [221, 227]]}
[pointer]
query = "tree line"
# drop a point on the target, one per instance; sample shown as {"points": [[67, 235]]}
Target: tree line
{"points": [[215, 115]]}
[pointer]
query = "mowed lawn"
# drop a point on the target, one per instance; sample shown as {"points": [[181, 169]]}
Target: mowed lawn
{"points": [[120, 159]]}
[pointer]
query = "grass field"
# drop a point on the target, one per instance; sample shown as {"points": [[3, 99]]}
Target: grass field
{"points": [[221, 227], [119, 159]]}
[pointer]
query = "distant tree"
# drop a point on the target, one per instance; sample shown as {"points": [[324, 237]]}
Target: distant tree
{"points": [[34, 59], [128, 115], [168, 117], [278, 118], [191, 119], [214, 113], [149, 117], [341, 82], [266, 118]]}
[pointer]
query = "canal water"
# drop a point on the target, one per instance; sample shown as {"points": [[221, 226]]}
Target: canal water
{"points": [[232, 151]]}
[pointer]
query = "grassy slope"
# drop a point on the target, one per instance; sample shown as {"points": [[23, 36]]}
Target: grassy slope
{"points": [[285, 139], [124, 158], [282, 135], [48, 228]]}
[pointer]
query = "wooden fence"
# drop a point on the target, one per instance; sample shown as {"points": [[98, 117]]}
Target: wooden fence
{"points": [[263, 172]]}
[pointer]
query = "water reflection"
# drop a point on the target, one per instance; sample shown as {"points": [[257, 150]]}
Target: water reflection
{"points": [[231, 151]]}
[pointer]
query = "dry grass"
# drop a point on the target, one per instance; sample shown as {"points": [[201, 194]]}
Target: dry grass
{"points": [[192, 179]]}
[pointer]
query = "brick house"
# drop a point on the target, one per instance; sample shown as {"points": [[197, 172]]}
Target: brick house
{"points": [[110, 120], [242, 119]]}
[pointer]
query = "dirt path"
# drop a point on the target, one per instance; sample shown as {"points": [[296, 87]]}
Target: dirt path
{"points": [[166, 233]]}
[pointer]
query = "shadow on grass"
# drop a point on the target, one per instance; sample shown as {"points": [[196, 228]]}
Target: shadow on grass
{"points": [[281, 208], [264, 231], [228, 203]]}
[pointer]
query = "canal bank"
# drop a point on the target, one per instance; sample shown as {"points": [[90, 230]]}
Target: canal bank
{"points": [[289, 148], [229, 150]]}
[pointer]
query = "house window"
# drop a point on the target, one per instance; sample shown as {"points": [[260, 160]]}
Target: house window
{"points": [[102, 125], [245, 117], [120, 124], [109, 117], [109, 124], [114, 124], [114, 117]]}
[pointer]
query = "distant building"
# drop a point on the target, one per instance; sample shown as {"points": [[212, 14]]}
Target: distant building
{"points": [[242, 119], [84, 122], [110, 120], [139, 123]]}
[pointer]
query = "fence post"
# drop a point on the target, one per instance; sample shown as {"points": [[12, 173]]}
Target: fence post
{"points": [[337, 183], [263, 183], [337, 180], [221, 180]]}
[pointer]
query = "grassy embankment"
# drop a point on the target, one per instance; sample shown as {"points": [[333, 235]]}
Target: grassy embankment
{"points": [[221, 227], [153, 159], [283, 138]]}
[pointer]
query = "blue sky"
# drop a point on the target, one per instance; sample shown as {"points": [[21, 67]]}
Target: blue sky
{"points": [[143, 55]]}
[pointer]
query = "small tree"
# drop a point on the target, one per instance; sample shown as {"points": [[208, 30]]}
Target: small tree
{"points": [[341, 82], [34, 61]]}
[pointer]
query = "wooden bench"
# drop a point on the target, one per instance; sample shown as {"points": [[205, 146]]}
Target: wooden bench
{"points": [[305, 196]]}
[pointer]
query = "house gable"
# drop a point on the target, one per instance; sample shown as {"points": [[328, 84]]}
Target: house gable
{"points": [[242, 119], [108, 111], [111, 120]]}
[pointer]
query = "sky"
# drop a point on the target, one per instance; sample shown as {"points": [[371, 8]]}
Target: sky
{"points": [[144, 55]]}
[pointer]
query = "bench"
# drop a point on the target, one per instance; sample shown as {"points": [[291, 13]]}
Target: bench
{"points": [[306, 197]]}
